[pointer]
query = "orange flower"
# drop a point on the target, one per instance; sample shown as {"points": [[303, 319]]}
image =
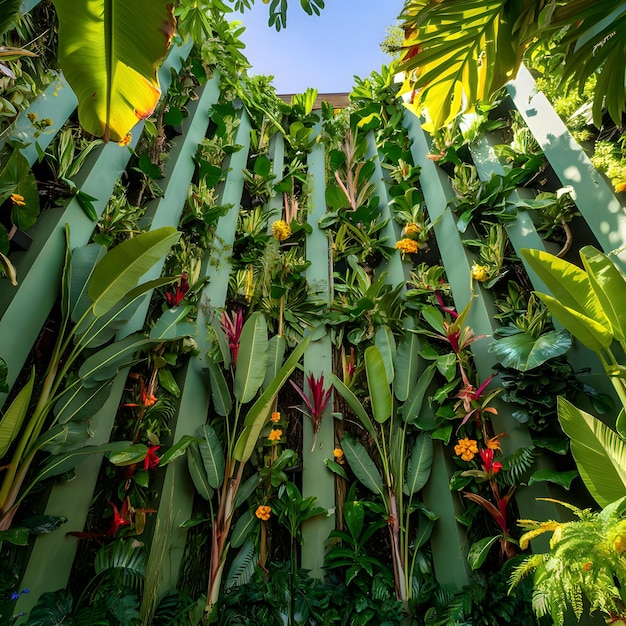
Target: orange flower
{"points": [[148, 399], [407, 246], [466, 449], [275, 417], [412, 229], [276, 434], [621, 186], [339, 456], [125, 140], [494, 442], [263, 512]]}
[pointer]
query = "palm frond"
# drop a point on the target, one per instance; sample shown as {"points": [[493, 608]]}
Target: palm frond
{"points": [[516, 464]]}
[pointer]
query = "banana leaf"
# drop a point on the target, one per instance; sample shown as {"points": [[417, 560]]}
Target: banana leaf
{"points": [[110, 52], [251, 358], [380, 393]]}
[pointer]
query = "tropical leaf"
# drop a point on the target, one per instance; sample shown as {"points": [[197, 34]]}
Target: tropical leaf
{"points": [[406, 365], [600, 454], [174, 324], [361, 464], [419, 465], [122, 267], [460, 53], [386, 344], [212, 455], [110, 52], [134, 453], [222, 402], [478, 551], [258, 414], [275, 357], [251, 358], [609, 285], [355, 404], [523, 352], [83, 262], [412, 408], [242, 567], [12, 420], [177, 450], [563, 479], [79, 403], [247, 523], [378, 385], [198, 473]]}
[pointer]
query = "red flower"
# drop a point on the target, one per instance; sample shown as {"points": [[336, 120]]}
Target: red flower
{"points": [[151, 459], [489, 465], [233, 327], [120, 518], [174, 299]]}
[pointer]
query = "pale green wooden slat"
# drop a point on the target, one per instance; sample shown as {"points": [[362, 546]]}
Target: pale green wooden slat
{"points": [[177, 492], [398, 271], [275, 205], [24, 309], [317, 480], [602, 211], [456, 260], [71, 500], [29, 5]]}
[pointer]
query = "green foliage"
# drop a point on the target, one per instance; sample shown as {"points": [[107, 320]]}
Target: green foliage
{"points": [[584, 563]]}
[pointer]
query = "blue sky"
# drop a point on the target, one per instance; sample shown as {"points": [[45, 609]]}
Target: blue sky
{"points": [[323, 52]]}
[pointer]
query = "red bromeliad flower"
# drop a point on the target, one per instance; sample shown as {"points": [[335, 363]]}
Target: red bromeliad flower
{"points": [[317, 404], [233, 326], [120, 518], [489, 465], [471, 398], [151, 459], [174, 299]]}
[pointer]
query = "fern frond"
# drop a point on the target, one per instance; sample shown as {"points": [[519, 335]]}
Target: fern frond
{"points": [[516, 464]]}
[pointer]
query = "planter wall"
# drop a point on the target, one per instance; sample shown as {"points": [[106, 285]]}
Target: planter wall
{"points": [[39, 273]]}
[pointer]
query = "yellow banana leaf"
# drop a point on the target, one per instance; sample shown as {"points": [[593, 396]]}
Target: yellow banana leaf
{"points": [[110, 52], [460, 52]]}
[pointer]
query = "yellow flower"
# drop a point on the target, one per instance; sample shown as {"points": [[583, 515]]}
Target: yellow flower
{"points": [[621, 186], [275, 417], [407, 246], [263, 512], [412, 229], [619, 545], [338, 454], [281, 230], [32, 116], [480, 272], [466, 449], [276, 434], [16, 198], [125, 140]]}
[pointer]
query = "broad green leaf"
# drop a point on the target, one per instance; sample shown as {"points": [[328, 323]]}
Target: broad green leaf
{"points": [[222, 402], [587, 330], [80, 403], [16, 536], [609, 285], [246, 524], [174, 324], [178, 449], [168, 382], [212, 455], [242, 566], [247, 488], [134, 453], [419, 465], [122, 267], [222, 341], [406, 366], [361, 464], [523, 352], [355, 404], [62, 438], [12, 420], [198, 473], [57, 465], [110, 52], [412, 408], [259, 413], [478, 551], [94, 332], [386, 344], [251, 358], [568, 284], [83, 262], [275, 357], [563, 479], [335, 468], [105, 363], [600, 454], [378, 385]]}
